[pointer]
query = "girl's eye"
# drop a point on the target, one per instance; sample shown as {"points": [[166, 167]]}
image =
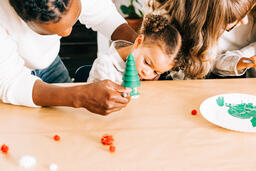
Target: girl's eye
{"points": [[146, 62]]}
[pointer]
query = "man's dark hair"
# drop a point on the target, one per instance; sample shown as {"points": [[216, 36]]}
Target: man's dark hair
{"points": [[41, 11]]}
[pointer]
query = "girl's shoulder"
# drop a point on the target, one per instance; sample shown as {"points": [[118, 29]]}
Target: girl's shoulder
{"points": [[103, 60]]}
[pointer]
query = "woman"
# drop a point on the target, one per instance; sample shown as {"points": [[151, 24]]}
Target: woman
{"points": [[202, 24]]}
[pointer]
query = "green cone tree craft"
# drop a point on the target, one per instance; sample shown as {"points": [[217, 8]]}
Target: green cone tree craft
{"points": [[131, 78]]}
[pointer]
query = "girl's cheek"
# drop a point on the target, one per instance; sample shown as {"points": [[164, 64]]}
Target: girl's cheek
{"points": [[139, 60], [139, 65]]}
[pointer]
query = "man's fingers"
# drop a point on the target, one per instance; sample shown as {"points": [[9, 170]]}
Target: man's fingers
{"points": [[112, 110], [124, 94], [114, 107], [116, 87], [122, 98], [122, 89]]}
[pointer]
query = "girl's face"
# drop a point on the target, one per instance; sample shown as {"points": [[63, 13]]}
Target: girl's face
{"points": [[150, 59]]}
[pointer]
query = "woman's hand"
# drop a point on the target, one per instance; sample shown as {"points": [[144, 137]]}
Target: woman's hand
{"points": [[244, 63]]}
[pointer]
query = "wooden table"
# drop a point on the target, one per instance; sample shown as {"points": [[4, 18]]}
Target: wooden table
{"points": [[155, 132]]}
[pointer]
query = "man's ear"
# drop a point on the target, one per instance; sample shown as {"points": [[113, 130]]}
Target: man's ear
{"points": [[139, 41]]}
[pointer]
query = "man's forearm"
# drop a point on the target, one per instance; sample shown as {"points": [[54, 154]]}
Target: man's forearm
{"points": [[101, 97], [50, 95], [124, 32]]}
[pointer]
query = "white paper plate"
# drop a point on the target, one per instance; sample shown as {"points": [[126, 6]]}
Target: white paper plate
{"points": [[217, 115]]}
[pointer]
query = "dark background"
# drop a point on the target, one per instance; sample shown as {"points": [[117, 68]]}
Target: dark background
{"points": [[80, 48]]}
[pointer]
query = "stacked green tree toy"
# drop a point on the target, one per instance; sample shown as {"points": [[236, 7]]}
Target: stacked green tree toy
{"points": [[131, 78]]}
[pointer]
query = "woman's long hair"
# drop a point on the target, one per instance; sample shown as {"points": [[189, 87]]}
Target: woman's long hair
{"points": [[201, 23]]}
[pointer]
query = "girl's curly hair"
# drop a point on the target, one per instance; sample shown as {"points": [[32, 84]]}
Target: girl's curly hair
{"points": [[157, 29]]}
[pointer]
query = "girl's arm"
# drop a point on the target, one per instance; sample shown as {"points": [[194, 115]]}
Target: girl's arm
{"points": [[103, 69]]}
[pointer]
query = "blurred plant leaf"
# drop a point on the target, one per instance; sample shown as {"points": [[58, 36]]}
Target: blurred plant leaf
{"points": [[130, 10]]}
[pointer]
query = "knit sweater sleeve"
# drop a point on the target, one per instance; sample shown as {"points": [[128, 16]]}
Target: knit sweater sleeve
{"points": [[226, 63]]}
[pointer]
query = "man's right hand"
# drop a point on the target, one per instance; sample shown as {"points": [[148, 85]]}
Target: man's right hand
{"points": [[102, 97]]}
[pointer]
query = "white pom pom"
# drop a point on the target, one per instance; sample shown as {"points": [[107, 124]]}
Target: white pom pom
{"points": [[53, 167], [27, 161]]}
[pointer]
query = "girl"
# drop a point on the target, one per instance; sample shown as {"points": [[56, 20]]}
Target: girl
{"points": [[202, 23], [154, 50]]}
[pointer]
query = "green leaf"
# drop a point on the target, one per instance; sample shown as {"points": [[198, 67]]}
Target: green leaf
{"points": [[141, 13], [130, 11], [138, 2], [126, 10]]}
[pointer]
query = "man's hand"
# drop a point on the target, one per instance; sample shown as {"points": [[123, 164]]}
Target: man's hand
{"points": [[102, 97], [242, 65]]}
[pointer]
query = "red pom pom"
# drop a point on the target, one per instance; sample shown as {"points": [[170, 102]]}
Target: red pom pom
{"points": [[107, 140], [56, 137], [194, 112], [4, 148], [112, 149]]}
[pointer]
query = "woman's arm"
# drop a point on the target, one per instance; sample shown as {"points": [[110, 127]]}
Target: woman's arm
{"points": [[231, 63]]}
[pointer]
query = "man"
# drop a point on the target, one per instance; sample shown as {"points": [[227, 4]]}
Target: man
{"points": [[30, 32]]}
